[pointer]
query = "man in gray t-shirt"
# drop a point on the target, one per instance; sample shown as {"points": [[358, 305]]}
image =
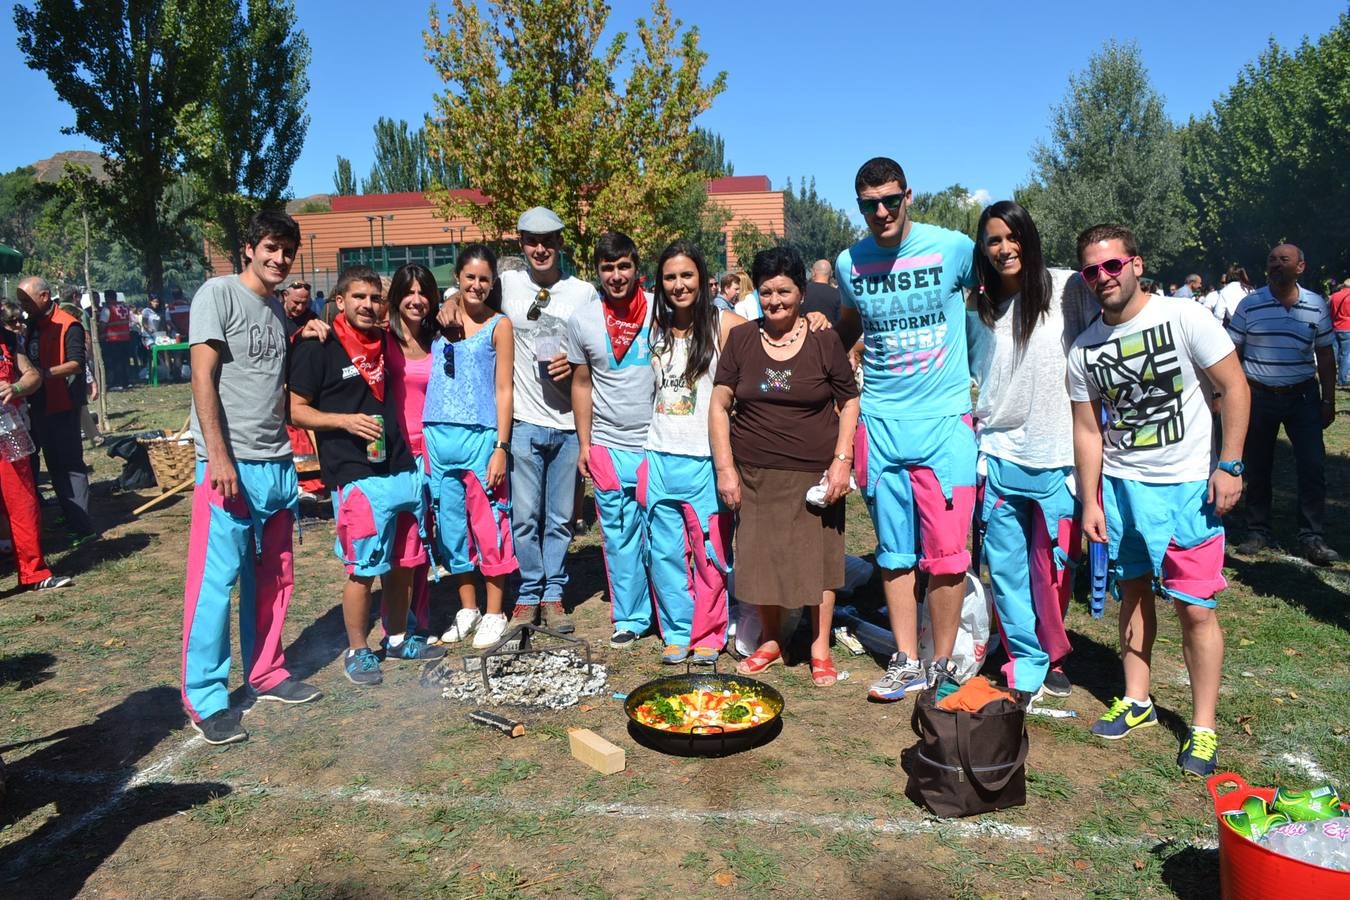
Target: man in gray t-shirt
{"points": [[243, 507], [612, 387]]}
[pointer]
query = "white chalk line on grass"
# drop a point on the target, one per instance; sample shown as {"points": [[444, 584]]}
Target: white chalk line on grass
{"points": [[769, 818]]}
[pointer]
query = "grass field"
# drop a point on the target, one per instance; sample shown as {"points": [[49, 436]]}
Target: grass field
{"points": [[391, 792]]}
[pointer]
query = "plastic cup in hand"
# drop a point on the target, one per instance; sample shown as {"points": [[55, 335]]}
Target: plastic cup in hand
{"points": [[547, 346]]}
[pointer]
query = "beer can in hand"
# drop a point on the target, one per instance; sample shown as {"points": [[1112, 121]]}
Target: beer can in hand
{"points": [[377, 450]]}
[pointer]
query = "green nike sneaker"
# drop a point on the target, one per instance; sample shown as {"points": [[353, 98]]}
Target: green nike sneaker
{"points": [[1122, 718], [1254, 818], [1308, 806], [1200, 754]]}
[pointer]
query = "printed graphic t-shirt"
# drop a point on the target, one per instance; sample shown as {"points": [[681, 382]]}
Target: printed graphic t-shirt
{"points": [[250, 332], [1147, 374], [621, 391], [537, 398], [912, 306]]}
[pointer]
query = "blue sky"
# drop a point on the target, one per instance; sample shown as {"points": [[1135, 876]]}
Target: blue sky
{"points": [[958, 91]]}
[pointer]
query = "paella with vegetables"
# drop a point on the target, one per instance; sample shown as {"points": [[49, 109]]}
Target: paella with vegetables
{"points": [[727, 710]]}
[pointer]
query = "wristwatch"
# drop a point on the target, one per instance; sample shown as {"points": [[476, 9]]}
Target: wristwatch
{"points": [[1232, 466], [843, 457], [502, 445]]}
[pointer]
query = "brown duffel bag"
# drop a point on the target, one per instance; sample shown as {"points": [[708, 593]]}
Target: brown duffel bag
{"points": [[968, 763]]}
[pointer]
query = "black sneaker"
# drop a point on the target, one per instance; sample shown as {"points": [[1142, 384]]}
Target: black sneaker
{"points": [[222, 728], [414, 647], [553, 617], [362, 667], [52, 582], [1316, 551], [292, 690], [1256, 542], [1057, 684], [622, 640]]}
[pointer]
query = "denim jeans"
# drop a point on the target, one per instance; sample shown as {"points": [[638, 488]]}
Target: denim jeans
{"points": [[1301, 415], [543, 482], [1342, 357]]}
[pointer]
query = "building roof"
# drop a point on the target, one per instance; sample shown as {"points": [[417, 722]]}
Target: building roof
{"points": [[739, 184], [408, 200]]}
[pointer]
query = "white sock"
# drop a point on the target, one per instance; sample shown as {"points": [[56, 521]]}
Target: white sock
{"points": [[1135, 702], [395, 640], [1201, 728]]}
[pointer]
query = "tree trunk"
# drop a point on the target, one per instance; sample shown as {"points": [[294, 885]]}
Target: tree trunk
{"points": [[100, 376]]}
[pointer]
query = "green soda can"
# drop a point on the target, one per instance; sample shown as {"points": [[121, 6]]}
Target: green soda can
{"points": [[1254, 818], [1308, 806], [377, 451]]}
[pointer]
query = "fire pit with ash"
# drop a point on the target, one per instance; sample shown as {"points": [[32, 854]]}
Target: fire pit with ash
{"points": [[529, 666]]}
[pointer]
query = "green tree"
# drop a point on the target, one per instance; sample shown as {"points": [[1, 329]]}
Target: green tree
{"points": [[403, 162], [1270, 162], [710, 154], [130, 71], [22, 198], [552, 122], [1112, 156], [813, 227], [246, 132], [952, 207], [747, 240], [344, 182]]}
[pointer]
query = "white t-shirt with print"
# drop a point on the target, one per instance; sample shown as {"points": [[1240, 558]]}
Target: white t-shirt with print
{"points": [[1147, 372], [539, 399]]}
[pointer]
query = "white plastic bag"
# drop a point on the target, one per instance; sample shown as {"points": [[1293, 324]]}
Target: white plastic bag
{"points": [[975, 639]]}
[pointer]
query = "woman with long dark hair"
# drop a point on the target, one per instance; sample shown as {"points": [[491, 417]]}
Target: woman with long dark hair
{"points": [[411, 301], [689, 530], [1027, 318], [467, 418]]}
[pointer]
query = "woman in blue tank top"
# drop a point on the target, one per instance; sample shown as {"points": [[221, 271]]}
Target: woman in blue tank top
{"points": [[467, 427]]}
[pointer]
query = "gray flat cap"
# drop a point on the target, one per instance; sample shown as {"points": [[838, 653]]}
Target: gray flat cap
{"points": [[539, 220]]}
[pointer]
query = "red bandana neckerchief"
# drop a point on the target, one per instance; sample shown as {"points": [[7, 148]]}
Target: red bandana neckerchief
{"points": [[366, 352], [623, 329]]}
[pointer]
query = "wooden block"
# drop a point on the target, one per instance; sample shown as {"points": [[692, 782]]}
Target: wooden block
{"points": [[595, 751]]}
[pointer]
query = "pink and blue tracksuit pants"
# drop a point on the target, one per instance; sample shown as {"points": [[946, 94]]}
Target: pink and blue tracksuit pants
{"points": [[248, 540], [1031, 545], [623, 527], [689, 548], [473, 522]]}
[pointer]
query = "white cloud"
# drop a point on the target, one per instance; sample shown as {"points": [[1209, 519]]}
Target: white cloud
{"points": [[981, 198]]}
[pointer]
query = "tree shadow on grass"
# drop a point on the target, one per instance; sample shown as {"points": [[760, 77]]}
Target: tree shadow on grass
{"points": [[1191, 873], [26, 670], [87, 772], [1298, 585]]}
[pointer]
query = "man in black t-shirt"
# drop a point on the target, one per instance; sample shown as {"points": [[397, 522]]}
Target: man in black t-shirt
{"points": [[821, 296], [337, 390]]}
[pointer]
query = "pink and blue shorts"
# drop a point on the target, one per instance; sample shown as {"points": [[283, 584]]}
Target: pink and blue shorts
{"points": [[918, 480], [379, 523], [1167, 531]]}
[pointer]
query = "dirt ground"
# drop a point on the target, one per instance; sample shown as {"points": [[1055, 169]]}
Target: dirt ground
{"points": [[390, 791]]}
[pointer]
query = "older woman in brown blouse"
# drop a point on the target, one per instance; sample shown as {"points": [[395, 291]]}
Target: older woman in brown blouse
{"points": [[796, 405]]}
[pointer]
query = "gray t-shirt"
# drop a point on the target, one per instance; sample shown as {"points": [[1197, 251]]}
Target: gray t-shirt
{"points": [[621, 391], [250, 332]]}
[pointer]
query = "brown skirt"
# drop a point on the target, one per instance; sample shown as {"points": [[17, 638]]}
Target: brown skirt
{"points": [[787, 551]]}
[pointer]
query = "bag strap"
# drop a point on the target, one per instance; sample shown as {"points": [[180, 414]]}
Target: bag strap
{"points": [[963, 751]]}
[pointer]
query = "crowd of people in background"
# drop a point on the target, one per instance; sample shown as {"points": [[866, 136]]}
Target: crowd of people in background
{"points": [[720, 422]]}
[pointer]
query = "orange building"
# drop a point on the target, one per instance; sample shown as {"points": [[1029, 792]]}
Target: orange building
{"points": [[386, 231]]}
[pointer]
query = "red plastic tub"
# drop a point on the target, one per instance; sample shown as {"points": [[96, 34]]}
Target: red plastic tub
{"points": [[1249, 871]]}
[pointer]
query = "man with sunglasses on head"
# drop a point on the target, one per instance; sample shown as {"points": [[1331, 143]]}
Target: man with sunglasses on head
{"points": [[539, 301], [1148, 482], [903, 289]]}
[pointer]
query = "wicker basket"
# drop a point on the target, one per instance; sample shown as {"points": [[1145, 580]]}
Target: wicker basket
{"points": [[172, 461]]}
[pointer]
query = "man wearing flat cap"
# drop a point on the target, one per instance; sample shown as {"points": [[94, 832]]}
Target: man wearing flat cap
{"points": [[539, 301]]}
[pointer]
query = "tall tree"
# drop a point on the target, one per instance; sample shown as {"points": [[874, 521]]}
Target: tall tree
{"points": [[552, 122], [813, 227], [747, 240], [711, 153], [344, 182], [404, 163], [22, 198], [1270, 163], [246, 132], [130, 70], [1112, 156], [952, 207]]}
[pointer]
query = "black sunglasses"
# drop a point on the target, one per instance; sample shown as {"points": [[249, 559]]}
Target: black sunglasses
{"points": [[868, 205], [538, 306], [449, 360], [300, 284]]}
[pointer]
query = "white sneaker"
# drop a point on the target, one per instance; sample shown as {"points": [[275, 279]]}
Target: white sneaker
{"points": [[466, 620], [490, 631]]}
